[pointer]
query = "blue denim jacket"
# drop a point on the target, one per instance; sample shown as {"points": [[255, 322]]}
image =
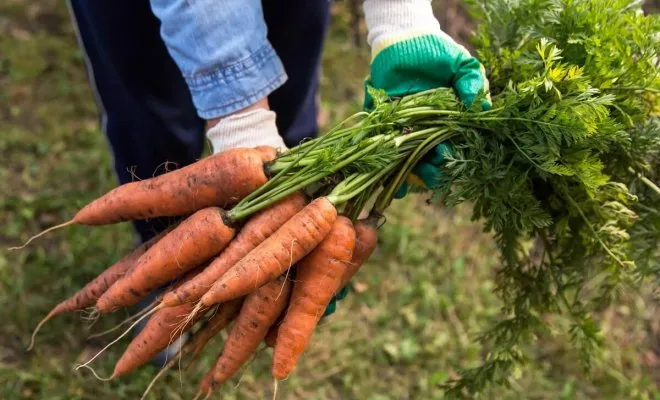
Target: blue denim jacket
{"points": [[222, 50]]}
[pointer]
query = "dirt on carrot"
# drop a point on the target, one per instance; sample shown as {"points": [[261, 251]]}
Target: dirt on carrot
{"points": [[197, 239]]}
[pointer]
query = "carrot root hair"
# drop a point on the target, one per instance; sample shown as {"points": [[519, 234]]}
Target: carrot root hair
{"points": [[275, 387], [194, 312], [96, 375], [86, 364], [160, 373], [124, 322], [40, 234]]}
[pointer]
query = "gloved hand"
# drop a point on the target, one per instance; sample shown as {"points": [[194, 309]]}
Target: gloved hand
{"points": [[249, 128], [410, 54]]}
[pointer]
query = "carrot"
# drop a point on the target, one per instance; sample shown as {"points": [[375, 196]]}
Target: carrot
{"points": [[217, 322], [205, 384], [318, 277], [88, 295], [161, 330], [366, 239], [219, 180], [165, 326], [255, 231], [221, 318], [291, 242], [259, 311], [197, 239]]}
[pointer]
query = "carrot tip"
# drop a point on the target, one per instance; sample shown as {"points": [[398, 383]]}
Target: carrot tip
{"points": [[275, 386], [41, 323], [40, 234]]}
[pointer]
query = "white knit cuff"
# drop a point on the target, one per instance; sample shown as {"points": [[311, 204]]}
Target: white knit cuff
{"points": [[391, 21], [247, 129]]}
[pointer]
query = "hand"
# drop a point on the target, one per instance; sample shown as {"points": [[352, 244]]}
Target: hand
{"points": [[332, 306], [250, 127], [410, 54]]}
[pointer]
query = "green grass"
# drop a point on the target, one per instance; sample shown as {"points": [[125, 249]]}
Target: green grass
{"points": [[409, 325]]}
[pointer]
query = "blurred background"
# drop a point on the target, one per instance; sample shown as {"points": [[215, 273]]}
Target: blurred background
{"points": [[409, 324]]}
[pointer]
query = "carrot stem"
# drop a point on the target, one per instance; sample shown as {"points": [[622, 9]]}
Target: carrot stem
{"points": [[246, 208]]}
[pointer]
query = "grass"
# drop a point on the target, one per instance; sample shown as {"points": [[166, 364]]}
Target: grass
{"points": [[409, 325]]}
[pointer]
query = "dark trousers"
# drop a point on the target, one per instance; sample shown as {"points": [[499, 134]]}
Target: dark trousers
{"points": [[146, 110]]}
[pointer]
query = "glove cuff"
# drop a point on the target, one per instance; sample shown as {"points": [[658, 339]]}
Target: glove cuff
{"points": [[392, 21], [247, 129]]}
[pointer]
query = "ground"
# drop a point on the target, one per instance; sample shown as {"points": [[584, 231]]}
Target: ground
{"points": [[409, 324]]}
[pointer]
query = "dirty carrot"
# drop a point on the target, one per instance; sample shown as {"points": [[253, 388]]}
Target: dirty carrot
{"points": [[259, 311], [220, 180], [318, 277], [197, 239], [255, 231], [291, 242]]}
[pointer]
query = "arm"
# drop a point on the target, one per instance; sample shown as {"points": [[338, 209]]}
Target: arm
{"points": [[229, 65]]}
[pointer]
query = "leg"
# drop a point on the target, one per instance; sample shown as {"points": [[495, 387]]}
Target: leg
{"points": [[296, 29], [147, 112]]}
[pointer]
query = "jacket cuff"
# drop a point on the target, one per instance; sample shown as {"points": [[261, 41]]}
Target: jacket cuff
{"points": [[230, 88]]}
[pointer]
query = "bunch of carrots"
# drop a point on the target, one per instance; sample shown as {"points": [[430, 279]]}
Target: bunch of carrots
{"points": [[223, 267]]}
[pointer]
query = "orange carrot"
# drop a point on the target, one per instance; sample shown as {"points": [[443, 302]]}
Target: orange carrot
{"points": [[219, 180], [206, 383], [294, 240], [88, 295], [197, 239], [255, 231], [163, 328], [318, 277], [260, 310], [366, 239]]}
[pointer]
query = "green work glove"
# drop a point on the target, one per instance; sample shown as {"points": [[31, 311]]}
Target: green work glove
{"points": [[332, 307], [410, 54]]}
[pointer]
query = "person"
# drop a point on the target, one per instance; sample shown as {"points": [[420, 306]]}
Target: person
{"points": [[244, 73]]}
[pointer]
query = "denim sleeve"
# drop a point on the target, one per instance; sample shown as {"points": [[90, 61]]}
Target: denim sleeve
{"points": [[222, 50]]}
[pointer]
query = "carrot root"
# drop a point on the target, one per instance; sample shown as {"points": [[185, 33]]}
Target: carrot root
{"points": [[124, 322], [40, 234], [160, 373], [41, 323], [86, 364], [275, 387], [96, 375]]}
